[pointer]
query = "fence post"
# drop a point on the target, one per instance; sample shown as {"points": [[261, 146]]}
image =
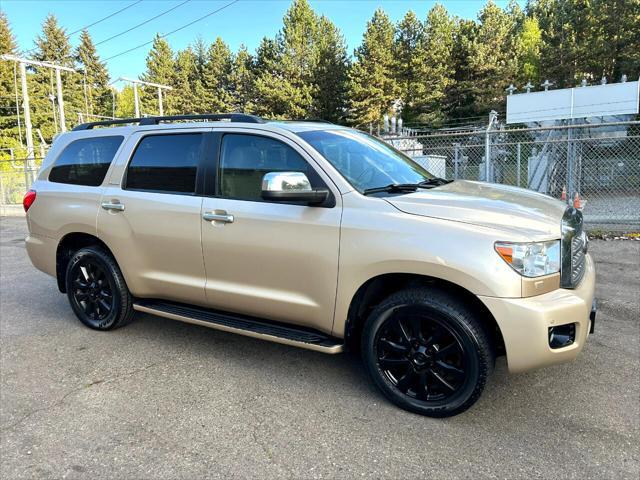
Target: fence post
{"points": [[518, 167], [456, 159], [570, 160], [493, 115]]}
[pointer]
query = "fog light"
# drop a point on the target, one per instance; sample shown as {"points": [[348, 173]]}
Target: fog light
{"points": [[562, 336]]}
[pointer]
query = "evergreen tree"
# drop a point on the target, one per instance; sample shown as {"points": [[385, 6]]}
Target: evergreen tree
{"points": [[410, 63], [185, 79], [54, 47], [285, 88], [492, 61], [125, 103], [96, 77], [330, 73], [8, 118], [242, 81], [372, 87], [161, 70], [216, 79], [459, 102]]}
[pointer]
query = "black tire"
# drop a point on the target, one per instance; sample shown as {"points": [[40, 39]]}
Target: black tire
{"points": [[97, 291], [427, 352]]}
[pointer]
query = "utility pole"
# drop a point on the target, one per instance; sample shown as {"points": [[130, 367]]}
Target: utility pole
{"points": [[136, 99], [26, 111], [493, 116], [58, 69]]}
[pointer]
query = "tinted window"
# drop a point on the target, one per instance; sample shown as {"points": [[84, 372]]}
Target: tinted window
{"points": [[363, 160], [86, 161], [245, 159], [166, 163]]}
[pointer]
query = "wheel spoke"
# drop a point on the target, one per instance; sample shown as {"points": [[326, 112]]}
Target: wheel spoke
{"points": [[423, 390], [405, 381], [406, 337], [85, 272], [448, 368], [416, 327], [440, 379], [446, 350], [393, 346], [106, 306], [387, 363]]}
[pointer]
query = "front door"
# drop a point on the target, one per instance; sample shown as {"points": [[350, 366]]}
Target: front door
{"points": [[266, 259]]}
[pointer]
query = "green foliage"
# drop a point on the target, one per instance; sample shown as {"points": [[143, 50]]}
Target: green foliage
{"points": [[430, 70], [372, 86], [161, 70]]}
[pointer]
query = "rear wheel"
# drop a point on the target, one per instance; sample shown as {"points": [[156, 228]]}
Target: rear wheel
{"points": [[426, 352], [97, 291]]}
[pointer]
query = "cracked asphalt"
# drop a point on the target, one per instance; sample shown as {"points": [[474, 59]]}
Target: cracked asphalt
{"points": [[163, 399]]}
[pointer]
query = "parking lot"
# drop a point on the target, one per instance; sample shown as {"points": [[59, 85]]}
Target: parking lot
{"points": [[163, 399]]}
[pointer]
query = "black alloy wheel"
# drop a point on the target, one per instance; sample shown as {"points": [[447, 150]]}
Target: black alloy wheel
{"points": [[420, 355], [427, 352], [97, 291]]}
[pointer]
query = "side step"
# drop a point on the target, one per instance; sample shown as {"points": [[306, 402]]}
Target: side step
{"points": [[248, 326]]}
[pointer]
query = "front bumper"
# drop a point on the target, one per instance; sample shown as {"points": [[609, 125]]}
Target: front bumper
{"points": [[524, 323]]}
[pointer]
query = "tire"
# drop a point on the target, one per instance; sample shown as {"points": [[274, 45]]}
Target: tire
{"points": [[427, 352], [97, 291]]}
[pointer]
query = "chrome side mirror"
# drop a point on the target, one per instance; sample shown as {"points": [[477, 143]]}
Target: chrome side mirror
{"points": [[291, 187]]}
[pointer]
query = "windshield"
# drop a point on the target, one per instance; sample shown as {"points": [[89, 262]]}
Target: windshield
{"points": [[363, 160]]}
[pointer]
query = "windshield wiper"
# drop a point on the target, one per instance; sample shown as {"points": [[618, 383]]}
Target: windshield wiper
{"points": [[434, 182], [407, 187]]}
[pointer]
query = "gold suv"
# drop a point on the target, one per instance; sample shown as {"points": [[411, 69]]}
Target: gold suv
{"points": [[317, 236]]}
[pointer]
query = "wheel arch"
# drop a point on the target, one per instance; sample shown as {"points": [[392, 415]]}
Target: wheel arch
{"points": [[68, 245], [377, 288]]}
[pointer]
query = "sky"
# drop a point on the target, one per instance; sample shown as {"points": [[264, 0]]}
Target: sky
{"points": [[245, 21]]}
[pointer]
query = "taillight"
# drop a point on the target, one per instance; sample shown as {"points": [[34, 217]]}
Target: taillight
{"points": [[28, 199]]}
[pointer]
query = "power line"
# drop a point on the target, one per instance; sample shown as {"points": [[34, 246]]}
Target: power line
{"points": [[105, 18], [142, 23], [173, 31], [94, 23]]}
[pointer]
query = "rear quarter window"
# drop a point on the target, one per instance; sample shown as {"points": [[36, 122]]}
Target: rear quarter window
{"points": [[85, 161]]}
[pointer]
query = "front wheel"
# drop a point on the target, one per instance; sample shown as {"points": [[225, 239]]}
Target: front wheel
{"points": [[97, 291], [427, 352]]}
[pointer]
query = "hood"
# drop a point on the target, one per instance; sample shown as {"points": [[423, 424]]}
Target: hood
{"points": [[488, 205]]}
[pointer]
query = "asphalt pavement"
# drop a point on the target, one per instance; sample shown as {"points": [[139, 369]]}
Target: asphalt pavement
{"points": [[163, 399]]}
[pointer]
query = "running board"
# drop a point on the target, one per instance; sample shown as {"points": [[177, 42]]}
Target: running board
{"points": [[248, 326]]}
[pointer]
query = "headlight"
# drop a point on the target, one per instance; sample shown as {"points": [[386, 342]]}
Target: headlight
{"points": [[531, 259]]}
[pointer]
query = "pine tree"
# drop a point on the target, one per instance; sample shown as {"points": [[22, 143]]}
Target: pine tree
{"points": [[8, 118], [372, 87], [53, 46], [459, 101], [96, 77], [216, 79], [330, 73], [242, 81], [161, 70], [185, 79], [125, 103], [492, 62], [410, 61], [284, 88]]}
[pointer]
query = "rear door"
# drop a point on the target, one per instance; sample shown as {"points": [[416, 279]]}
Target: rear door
{"points": [[273, 260], [150, 214]]}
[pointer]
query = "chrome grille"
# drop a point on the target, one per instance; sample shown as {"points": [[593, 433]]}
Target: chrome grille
{"points": [[573, 249]]}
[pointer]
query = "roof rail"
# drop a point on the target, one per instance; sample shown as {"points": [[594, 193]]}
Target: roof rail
{"points": [[231, 117]]}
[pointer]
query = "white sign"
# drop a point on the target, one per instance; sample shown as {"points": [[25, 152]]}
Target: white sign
{"points": [[579, 102]]}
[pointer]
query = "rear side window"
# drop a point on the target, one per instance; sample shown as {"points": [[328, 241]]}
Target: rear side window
{"points": [[165, 163], [85, 161]]}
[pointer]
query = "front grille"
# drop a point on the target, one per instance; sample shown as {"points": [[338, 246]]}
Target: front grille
{"points": [[573, 249]]}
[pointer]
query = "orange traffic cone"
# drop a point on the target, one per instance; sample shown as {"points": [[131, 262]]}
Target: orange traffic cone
{"points": [[563, 195], [577, 203]]}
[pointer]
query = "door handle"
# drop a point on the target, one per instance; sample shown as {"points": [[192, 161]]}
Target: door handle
{"points": [[118, 207], [218, 217]]}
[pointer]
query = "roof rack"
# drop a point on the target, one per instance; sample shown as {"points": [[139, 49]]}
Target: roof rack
{"points": [[231, 117]]}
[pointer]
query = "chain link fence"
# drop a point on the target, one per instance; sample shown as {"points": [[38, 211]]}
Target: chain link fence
{"points": [[599, 161]]}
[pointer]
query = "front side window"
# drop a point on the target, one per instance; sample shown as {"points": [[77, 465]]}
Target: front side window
{"points": [[165, 163], [85, 161], [245, 159], [363, 160]]}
